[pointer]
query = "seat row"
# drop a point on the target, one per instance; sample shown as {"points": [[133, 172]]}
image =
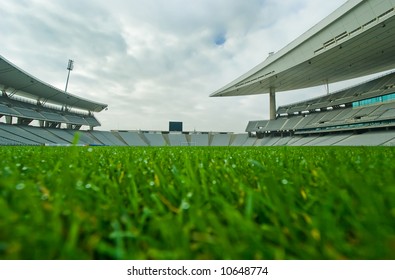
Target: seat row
{"points": [[19, 109]]}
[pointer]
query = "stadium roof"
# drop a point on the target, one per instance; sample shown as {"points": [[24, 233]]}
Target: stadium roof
{"points": [[19, 82], [355, 40]]}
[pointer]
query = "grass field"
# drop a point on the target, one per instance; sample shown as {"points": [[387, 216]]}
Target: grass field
{"points": [[197, 203]]}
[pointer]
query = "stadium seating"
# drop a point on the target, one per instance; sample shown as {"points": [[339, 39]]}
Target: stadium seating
{"points": [[239, 139], [220, 139], [352, 112], [177, 139], [199, 139], [132, 138], [155, 139], [359, 115], [26, 109]]}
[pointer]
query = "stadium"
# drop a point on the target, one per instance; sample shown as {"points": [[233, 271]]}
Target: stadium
{"points": [[69, 190], [33, 112]]}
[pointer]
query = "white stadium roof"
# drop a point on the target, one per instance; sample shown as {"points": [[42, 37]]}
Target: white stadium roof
{"points": [[355, 40], [21, 83]]}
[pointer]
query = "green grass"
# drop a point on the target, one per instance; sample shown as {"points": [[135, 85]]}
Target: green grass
{"points": [[197, 203]]}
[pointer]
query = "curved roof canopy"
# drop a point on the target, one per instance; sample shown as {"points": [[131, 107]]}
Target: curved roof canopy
{"points": [[355, 40], [24, 84]]}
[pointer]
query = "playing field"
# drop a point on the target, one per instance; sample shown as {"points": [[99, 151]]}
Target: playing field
{"points": [[197, 203]]}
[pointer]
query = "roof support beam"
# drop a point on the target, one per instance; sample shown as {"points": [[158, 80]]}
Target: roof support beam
{"points": [[272, 97]]}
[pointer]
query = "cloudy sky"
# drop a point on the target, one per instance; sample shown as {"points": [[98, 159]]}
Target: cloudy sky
{"points": [[154, 61]]}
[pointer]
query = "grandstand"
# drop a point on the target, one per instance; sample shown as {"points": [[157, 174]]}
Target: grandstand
{"points": [[33, 112], [338, 48], [354, 41]]}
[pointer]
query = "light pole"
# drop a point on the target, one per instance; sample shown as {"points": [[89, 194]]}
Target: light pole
{"points": [[70, 67]]}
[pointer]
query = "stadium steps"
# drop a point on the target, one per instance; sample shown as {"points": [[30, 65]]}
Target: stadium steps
{"points": [[304, 121], [220, 139], [86, 138], [388, 114], [53, 117], [333, 139], [106, 138], [292, 122], [390, 142], [11, 133], [177, 139], [20, 131], [69, 135], [275, 125], [166, 138], [303, 141], [9, 142], [48, 137], [283, 141], [317, 141], [270, 141], [155, 139], [63, 134], [201, 140], [251, 141], [371, 138], [29, 113], [4, 109], [132, 138], [92, 121], [239, 140]]}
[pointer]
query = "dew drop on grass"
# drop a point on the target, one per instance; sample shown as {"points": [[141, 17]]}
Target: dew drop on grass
{"points": [[185, 205], [79, 185], [20, 186]]}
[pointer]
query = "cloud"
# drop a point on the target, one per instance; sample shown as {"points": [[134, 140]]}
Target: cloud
{"points": [[154, 61]]}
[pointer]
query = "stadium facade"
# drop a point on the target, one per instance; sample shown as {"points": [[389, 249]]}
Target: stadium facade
{"points": [[354, 41]]}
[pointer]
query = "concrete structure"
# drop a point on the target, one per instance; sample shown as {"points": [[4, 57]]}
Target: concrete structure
{"points": [[14, 80], [25, 99], [355, 40]]}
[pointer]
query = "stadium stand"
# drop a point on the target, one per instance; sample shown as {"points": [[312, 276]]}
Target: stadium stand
{"points": [[239, 139], [360, 115], [155, 139], [199, 139], [177, 139], [35, 113], [107, 138], [220, 139], [132, 138], [361, 107]]}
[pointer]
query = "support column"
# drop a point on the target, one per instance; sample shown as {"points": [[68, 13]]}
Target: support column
{"points": [[8, 119], [272, 96]]}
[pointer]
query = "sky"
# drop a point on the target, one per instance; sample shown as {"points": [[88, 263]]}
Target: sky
{"points": [[156, 61]]}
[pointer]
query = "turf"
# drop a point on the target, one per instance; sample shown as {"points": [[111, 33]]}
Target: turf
{"points": [[197, 203]]}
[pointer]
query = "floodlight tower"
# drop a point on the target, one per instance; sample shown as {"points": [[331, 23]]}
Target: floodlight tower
{"points": [[70, 67]]}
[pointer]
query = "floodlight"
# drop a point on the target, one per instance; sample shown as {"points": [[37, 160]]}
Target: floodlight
{"points": [[70, 65]]}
